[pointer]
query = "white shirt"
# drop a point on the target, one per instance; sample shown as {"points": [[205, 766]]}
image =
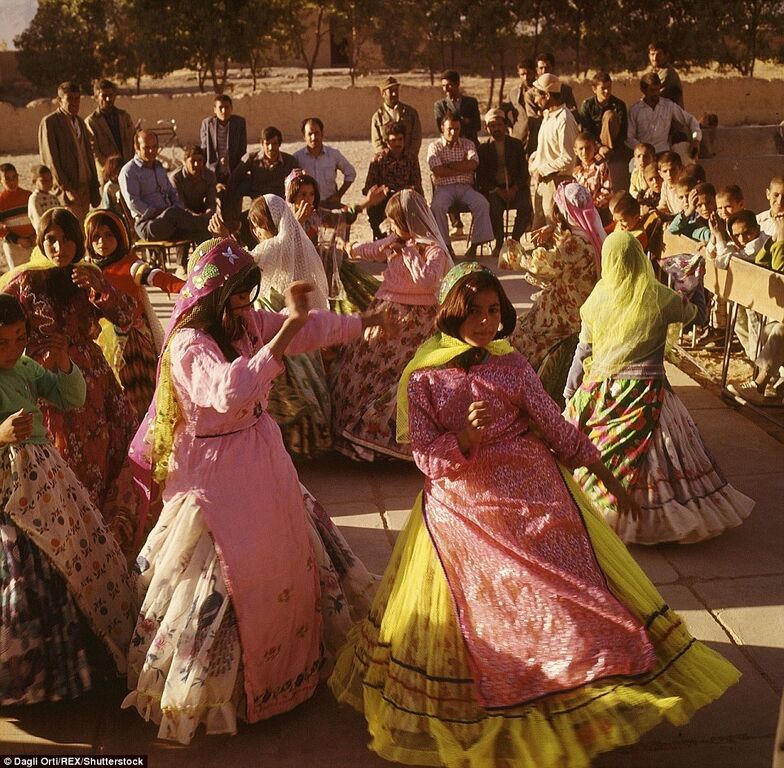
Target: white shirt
{"points": [[727, 250], [555, 147], [324, 167], [653, 125], [767, 223]]}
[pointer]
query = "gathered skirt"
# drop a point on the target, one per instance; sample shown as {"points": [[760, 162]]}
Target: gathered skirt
{"points": [[185, 660], [406, 668], [652, 445]]}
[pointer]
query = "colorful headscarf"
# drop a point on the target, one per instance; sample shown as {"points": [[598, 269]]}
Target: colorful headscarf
{"points": [[440, 348], [215, 265], [121, 229], [419, 221], [574, 201]]}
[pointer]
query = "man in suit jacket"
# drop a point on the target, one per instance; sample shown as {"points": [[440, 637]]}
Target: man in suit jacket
{"points": [[64, 147], [455, 103], [224, 139], [395, 111], [502, 177], [111, 129]]}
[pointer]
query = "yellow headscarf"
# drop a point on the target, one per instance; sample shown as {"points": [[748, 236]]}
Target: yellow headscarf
{"points": [[440, 349]]}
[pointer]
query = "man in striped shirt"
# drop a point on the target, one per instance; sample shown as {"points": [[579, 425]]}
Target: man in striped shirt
{"points": [[16, 231]]}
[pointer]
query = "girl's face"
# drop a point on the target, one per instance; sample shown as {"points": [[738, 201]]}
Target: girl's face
{"points": [[13, 340], [57, 248], [306, 194], [484, 319], [239, 302], [260, 233], [103, 243]]}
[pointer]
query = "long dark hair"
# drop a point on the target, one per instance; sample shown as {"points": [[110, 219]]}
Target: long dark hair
{"points": [[59, 284], [109, 220]]}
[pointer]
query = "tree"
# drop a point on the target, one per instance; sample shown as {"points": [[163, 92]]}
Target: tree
{"points": [[305, 25], [66, 39], [357, 20], [750, 30]]}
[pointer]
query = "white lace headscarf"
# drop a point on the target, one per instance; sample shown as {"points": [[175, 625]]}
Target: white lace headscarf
{"points": [[290, 256], [419, 221]]}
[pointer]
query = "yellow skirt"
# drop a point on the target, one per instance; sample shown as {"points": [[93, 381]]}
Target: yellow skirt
{"points": [[405, 668]]}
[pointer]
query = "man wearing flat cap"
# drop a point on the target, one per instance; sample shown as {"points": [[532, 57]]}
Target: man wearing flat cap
{"points": [[553, 159], [502, 177], [393, 110]]}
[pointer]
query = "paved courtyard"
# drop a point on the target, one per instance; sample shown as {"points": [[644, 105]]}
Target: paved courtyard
{"points": [[730, 591]]}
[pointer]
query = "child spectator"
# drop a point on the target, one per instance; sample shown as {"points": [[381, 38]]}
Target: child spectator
{"points": [[41, 198], [625, 212], [729, 200], [110, 191], [593, 173], [66, 591], [644, 155], [650, 197], [699, 203], [670, 169], [775, 195], [16, 231]]}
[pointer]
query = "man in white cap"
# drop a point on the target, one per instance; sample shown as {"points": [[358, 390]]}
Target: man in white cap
{"points": [[502, 177], [393, 110], [553, 159]]}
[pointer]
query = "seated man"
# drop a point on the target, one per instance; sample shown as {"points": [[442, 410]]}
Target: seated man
{"points": [[323, 163], [394, 169], [453, 161], [196, 184], [223, 138], [153, 201], [502, 177], [262, 173]]}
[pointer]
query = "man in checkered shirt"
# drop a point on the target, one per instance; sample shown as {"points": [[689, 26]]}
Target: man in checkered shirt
{"points": [[452, 162]]}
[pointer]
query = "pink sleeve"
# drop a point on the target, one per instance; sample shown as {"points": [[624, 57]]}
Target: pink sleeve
{"points": [[210, 381], [323, 329], [436, 451], [427, 268], [374, 251], [571, 446]]}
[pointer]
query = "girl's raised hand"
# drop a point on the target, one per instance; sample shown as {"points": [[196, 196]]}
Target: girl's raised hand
{"points": [[18, 426], [296, 296], [87, 278], [303, 210]]}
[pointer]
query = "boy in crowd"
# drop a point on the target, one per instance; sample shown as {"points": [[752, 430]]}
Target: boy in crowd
{"points": [[775, 194], [592, 171], [644, 155], [698, 203], [41, 199], [16, 231], [649, 198], [670, 168]]}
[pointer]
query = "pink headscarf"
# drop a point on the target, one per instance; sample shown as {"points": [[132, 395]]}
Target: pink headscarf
{"points": [[574, 201]]}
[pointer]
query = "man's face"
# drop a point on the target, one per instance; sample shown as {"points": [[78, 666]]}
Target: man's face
{"points": [[391, 95], [194, 164], [450, 89], [271, 149], [726, 206], [602, 91], [526, 76], [450, 130], [670, 172], [541, 99], [542, 67], [653, 92], [222, 110], [396, 143], [147, 148], [10, 180], [497, 128], [775, 195], [705, 205], [657, 57], [743, 234], [106, 97], [69, 102], [314, 138]]}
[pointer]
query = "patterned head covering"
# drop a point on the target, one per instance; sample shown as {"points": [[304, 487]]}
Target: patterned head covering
{"points": [[574, 201], [457, 273]]}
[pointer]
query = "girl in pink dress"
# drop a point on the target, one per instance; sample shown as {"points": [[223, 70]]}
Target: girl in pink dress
{"points": [[248, 584], [367, 372], [512, 628]]}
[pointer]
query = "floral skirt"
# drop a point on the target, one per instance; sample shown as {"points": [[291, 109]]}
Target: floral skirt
{"points": [[652, 445], [66, 602], [185, 660], [299, 403], [406, 668], [364, 394]]}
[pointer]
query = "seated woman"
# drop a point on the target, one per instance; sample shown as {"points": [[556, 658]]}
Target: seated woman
{"points": [[248, 587], [619, 397], [512, 627], [368, 371], [563, 260]]}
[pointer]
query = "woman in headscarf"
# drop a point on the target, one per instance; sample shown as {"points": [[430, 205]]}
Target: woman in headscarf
{"points": [[131, 351], [618, 395], [299, 401], [59, 291], [367, 372], [512, 628], [243, 604], [563, 260]]}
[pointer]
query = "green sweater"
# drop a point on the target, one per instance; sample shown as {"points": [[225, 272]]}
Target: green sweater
{"points": [[771, 255], [23, 384]]}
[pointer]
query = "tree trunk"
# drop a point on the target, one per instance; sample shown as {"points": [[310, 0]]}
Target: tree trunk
{"points": [[139, 69], [310, 75], [492, 86], [502, 84]]}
